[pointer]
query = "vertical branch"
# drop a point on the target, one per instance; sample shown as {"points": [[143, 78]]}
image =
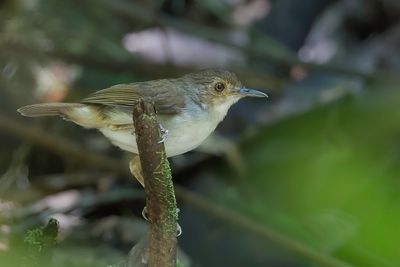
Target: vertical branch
{"points": [[160, 249]]}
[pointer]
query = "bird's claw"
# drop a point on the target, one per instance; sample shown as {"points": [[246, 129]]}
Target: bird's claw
{"points": [[144, 213], [178, 230], [164, 134], [178, 227]]}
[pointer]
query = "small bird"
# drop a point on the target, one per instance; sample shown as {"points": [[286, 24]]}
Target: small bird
{"points": [[188, 108]]}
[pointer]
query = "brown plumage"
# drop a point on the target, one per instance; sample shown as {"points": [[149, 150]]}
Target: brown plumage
{"points": [[189, 107]]}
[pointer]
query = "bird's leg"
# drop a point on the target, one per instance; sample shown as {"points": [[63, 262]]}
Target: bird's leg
{"points": [[178, 227], [118, 127], [136, 169], [164, 134]]}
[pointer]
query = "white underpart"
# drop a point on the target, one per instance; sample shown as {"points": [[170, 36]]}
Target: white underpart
{"points": [[186, 131]]}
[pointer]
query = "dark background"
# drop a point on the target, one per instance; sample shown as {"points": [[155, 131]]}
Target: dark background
{"points": [[317, 163]]}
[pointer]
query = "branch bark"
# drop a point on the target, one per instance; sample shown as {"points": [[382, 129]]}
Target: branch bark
{"points": [[160, 249], [59, 145]]}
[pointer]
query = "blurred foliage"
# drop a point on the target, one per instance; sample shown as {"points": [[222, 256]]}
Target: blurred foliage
{"points": [[318, 162], [40, 242], [329, 177]]}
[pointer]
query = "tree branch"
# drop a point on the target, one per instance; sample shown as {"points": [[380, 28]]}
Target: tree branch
{"points": [[160, 249], [131, 65], [62, 147], [57, 144]]}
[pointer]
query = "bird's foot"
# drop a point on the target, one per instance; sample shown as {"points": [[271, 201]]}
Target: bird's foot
{"points": [[144, 213], [164, 134], [178, 227], [136, 169], [178, 230]]}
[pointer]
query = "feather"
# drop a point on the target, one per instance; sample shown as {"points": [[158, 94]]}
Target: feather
{"points": [[164, 93], [47, 109], [88, 116]]}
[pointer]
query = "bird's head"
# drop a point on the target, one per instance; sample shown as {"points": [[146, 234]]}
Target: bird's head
{"points": [[219, 87]]}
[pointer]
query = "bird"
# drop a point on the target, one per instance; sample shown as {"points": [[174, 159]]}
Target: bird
{"points": [[189, 109]]}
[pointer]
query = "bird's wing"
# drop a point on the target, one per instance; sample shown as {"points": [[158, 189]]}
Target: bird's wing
{"points": [[166, 97]]}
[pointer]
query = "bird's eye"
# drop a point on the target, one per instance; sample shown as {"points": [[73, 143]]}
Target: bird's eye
{"points": [[219, 87]]}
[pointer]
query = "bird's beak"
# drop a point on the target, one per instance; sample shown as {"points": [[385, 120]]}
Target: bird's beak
{"points": [[251, 92]]}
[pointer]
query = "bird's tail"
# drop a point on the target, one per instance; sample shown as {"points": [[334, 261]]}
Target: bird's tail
{"points": [[47, 109], [82, 114]]}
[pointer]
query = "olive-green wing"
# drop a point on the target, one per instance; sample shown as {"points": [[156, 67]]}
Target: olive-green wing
{"points": [[166, 97]]}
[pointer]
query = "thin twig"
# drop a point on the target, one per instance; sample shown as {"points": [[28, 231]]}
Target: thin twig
{"points": [[268, 50], [263, 48], [132, 64], [160, 249], [62, 147]]}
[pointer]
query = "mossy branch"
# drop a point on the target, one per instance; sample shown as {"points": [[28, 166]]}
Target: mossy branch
{"points": [[160, 248], [71, 151], [40, 242]]}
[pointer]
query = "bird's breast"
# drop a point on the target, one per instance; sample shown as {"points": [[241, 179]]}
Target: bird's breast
{"points": [[186, 131]]}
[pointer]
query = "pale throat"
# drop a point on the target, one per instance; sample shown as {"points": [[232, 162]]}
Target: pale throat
{"points": [[192, 127], [221, 107], [187, 130]]}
